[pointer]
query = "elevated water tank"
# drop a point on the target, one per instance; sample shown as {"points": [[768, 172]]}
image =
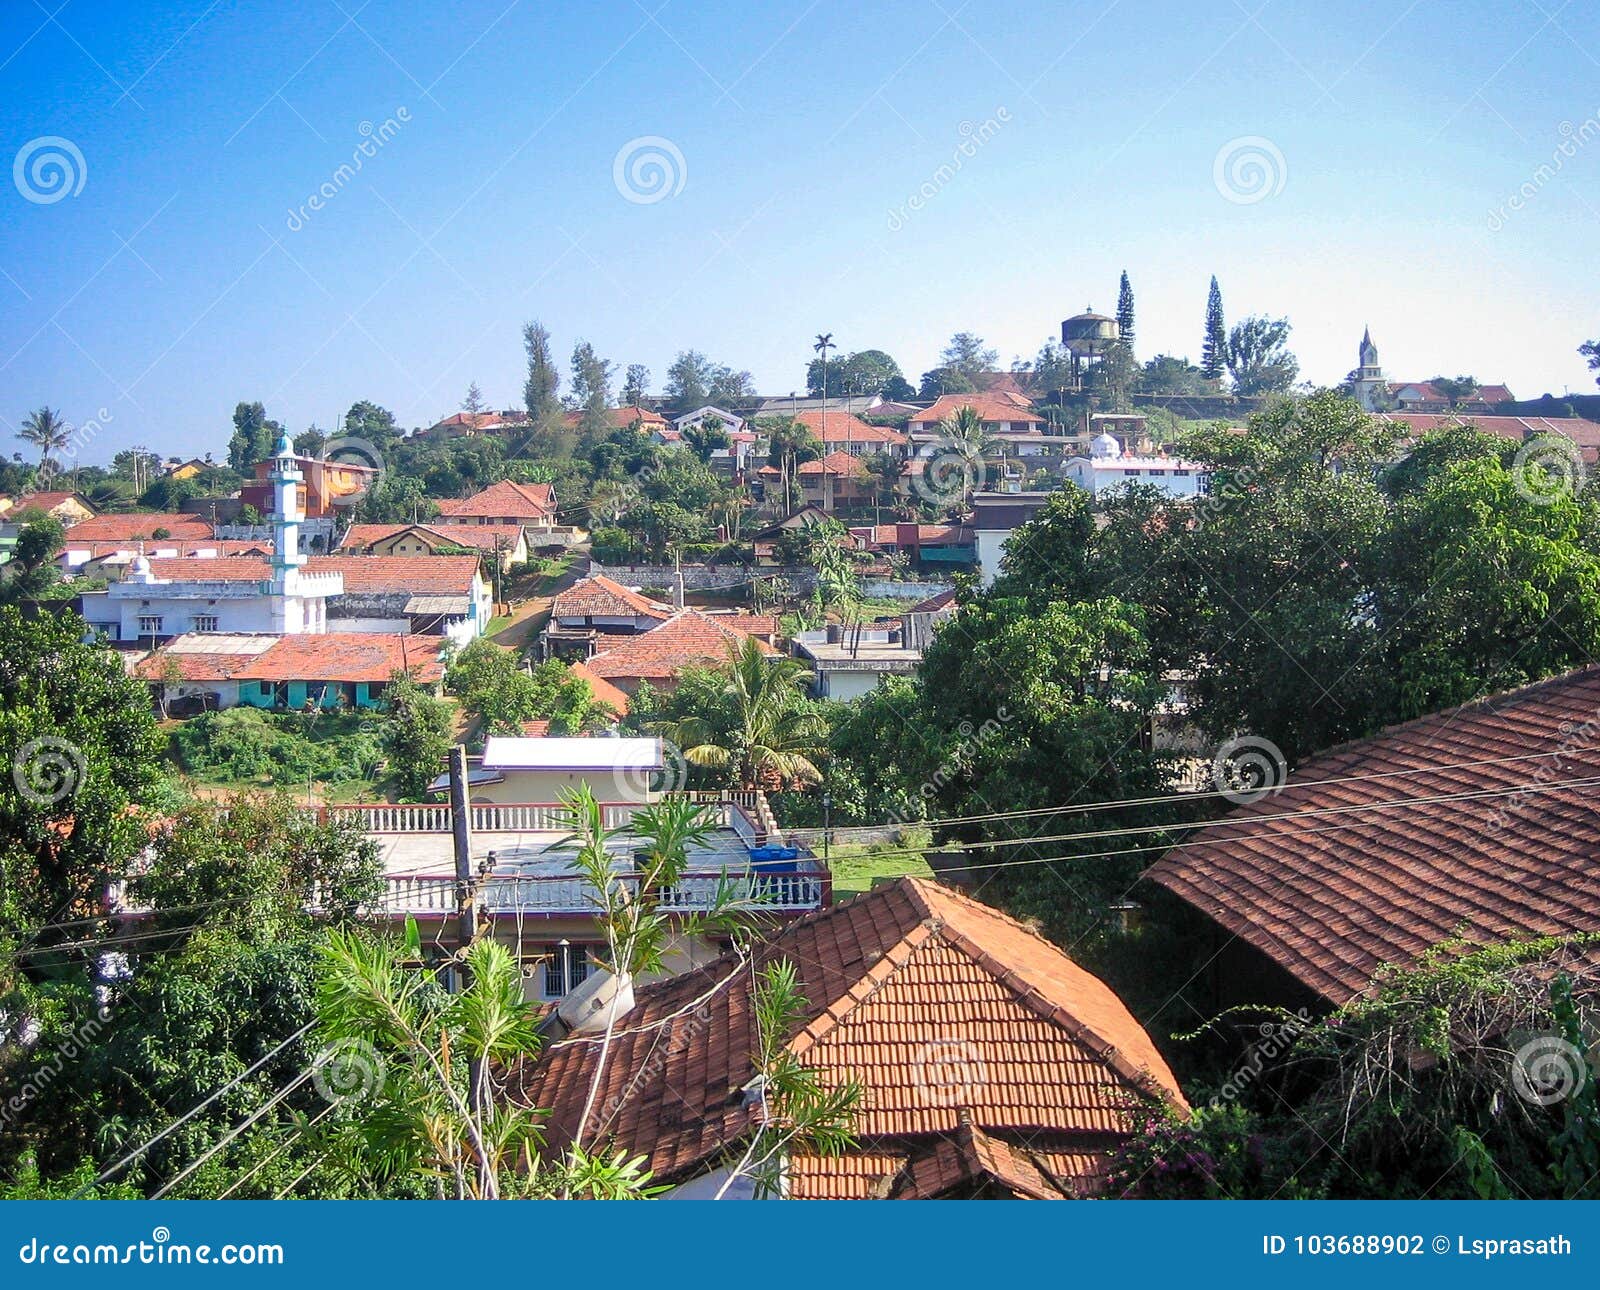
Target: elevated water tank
{"points": [[1089, 334]]}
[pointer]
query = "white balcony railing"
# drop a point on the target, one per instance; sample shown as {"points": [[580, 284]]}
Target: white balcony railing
{"points": [[512, 894], [725, 811]]}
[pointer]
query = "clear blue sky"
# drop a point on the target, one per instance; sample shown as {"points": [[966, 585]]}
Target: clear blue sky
{"points": [[172, 285]]}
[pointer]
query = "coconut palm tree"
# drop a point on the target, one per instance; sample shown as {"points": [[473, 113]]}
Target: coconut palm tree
{"points": [[963, 430], [770, 735], [47, 432]]}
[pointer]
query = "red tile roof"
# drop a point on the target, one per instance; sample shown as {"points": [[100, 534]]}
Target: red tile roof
{"points": [[623, 417], [601, 597], [504, 500], [688, 638], [1333, 900], [602, 689], [838, 426], [927, 534], [484, 537], [139, 524], [420, 575], [482, 420], [948, 1013], [835, 463], [990, 407], [222, 568], [334, 656], [1584, 433], [348, 656], [46, 501], [1490, 394]]}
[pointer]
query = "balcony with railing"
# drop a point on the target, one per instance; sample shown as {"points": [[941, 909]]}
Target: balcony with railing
{"points": [[522, 858]]}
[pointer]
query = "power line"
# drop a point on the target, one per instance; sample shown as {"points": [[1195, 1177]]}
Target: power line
{"points": [[222, 1142], [1251, 821], [189, 1115], [1176, 798]]}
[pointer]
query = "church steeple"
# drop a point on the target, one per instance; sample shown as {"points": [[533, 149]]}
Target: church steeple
{"points": [[1368, 381]]}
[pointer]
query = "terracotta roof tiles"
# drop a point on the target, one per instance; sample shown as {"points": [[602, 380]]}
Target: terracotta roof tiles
{"points": [[947, 1012], [1385, 881]]}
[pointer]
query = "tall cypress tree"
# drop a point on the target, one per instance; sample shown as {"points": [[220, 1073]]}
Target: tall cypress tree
{"points": [[1125, 311], [1214, 353]]}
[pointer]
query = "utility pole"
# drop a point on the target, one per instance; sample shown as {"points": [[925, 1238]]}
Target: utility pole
{"points": [[461, 828]]}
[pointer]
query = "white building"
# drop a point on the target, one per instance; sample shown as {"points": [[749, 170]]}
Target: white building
{"points": [[995, 516], [235, 594], [1107, 466]]}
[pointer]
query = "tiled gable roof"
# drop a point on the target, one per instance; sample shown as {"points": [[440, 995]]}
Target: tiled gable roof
{"points": [[836, 426], [422, 575], [504, 500], [222, 568], [835, 463], [136, 525], [1383, 885], [484, 537], [947, 1012], [990, 407], [334, 656], [686, 639], [602, 689], [598, 596]]}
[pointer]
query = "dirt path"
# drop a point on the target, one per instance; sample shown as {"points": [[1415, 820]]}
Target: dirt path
{"points": [[527, 620]]}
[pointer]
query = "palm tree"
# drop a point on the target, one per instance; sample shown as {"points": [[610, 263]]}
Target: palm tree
{"points": [[705, 438], [771, 736], [789, 442], [47, 432], [823, 345]]}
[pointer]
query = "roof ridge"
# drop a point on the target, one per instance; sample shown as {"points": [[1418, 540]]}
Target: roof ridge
{"points": [[1490, 702]]}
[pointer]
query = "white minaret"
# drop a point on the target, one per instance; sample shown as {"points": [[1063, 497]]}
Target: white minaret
{"points": [[1368, 383], [287, 515], [296, 600]]}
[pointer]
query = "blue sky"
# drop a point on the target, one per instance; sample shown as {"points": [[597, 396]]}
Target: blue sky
{"points": [[182, 277]]}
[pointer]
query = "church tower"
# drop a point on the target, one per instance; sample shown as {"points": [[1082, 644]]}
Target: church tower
{"points": [[1370, 386]]}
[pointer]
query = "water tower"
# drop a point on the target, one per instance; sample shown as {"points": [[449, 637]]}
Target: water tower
{"points": [[1087, 337]]}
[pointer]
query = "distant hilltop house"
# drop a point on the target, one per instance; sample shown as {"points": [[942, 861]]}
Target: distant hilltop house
{"points": [[70, 508], [990, 1064], [839, 430], [531, 507], [464, 424], [1376, 393], [646, 419], [507, 544]]}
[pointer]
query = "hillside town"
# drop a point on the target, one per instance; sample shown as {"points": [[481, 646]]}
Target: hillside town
{"points": [[1093, 778]]}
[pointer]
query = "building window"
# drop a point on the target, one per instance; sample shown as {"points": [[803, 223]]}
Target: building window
{"points": [[565, 968], [205, 622], [1181, 472], [149, 624]]}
